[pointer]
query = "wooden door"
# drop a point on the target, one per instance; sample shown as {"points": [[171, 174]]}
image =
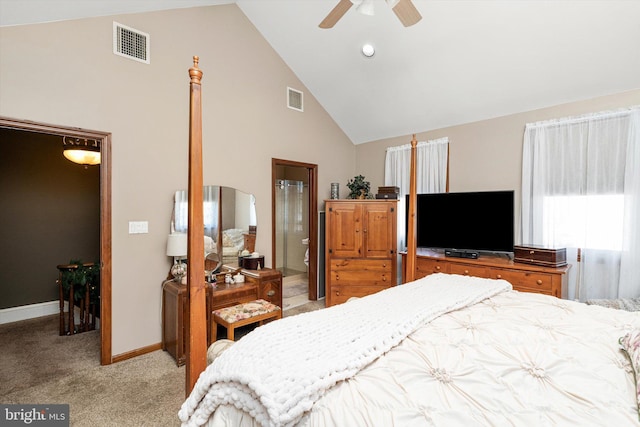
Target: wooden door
{"points": [[379, 230], [344, 230]]}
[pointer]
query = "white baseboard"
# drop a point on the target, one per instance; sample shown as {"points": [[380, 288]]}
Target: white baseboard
{"points": [[24, 312]]}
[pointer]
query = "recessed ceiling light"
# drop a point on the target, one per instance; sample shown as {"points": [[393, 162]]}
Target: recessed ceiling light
{"points": [[368, 50]]}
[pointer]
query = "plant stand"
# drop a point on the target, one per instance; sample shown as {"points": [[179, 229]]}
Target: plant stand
{"points": [[87, 309]]}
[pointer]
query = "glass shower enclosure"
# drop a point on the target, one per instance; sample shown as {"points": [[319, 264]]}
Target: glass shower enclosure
{"points": [[292, 219]]}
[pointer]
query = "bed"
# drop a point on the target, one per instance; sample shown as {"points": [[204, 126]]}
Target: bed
{"points": [[443, 350]]}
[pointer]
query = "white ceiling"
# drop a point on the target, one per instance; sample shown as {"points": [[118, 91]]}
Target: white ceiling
{"points": [[464, 61]]}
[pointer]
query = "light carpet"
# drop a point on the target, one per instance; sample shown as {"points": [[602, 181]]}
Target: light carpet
{"points": [[37, 366]]}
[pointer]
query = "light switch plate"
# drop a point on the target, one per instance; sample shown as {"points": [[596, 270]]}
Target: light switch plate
{"points": [[138, 227]]}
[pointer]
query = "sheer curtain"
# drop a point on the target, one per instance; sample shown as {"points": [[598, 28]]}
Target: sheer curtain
{"points": [[431, 174], [210, 200], [581, 190]]}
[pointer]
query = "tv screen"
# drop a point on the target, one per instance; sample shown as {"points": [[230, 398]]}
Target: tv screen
{"points": [[472, 221]]}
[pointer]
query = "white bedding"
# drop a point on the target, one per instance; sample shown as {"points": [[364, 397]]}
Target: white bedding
{"points": [[512, 359]]}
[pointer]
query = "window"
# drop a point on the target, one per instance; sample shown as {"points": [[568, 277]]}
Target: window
{"points": [[581, 190], [567, 218]]}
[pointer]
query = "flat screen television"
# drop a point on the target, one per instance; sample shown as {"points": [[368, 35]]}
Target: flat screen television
{"points": [[480, 221]]}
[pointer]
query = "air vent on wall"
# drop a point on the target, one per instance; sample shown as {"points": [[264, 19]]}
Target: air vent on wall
{"points": [[131, 43], [294, 99]]}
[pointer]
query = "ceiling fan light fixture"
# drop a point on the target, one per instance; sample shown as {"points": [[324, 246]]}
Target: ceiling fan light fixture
{"points": [[368, 50], [405, 10]]}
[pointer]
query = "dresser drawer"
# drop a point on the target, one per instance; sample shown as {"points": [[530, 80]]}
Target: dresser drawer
{"points": [[270, 291], [376, 265], [425, 266], [361, 277], [525, 281], [340, 294], [468, 270]]}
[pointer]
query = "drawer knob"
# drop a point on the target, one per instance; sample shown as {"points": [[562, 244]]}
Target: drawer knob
{"points": [[466, 272], [384, 265], [337, 277], [337, 293], [271, 293], [532, 252], [539, 282], [499, 276], [384, 278], [437, 267]]}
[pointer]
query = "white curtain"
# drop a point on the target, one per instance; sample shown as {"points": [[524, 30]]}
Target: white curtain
{"points": [[431, 173], [581, 190], [210, 198]]}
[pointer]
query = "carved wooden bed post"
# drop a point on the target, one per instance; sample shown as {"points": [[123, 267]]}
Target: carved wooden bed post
{"points": [[196, 323], [410, 272]]}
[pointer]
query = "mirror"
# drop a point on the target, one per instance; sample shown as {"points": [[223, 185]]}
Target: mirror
{"points": [[229, 223]]}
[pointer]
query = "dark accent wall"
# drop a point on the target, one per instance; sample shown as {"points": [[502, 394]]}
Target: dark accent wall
{"points": [[49, 215]]}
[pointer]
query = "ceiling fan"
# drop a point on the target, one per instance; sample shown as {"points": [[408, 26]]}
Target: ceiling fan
{"points": [[404, 10]]}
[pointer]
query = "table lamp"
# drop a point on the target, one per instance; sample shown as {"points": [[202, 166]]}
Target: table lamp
{"points": [[177, 248]]}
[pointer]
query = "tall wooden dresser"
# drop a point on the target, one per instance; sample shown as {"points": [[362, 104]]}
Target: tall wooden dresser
{"points": [[360, 249]]}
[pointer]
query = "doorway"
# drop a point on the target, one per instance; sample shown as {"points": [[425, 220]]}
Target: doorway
{"points": [[105, 214], [294, 229]]}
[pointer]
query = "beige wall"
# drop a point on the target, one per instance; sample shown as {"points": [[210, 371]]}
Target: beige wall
{"points": [[66, 74], [485, 155]]}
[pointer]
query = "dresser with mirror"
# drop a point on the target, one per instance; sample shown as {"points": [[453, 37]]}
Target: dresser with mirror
{"points": [[230, 227]]}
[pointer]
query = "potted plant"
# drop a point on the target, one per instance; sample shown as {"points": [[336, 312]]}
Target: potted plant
{"points": [[84, 279], [360, 189]]}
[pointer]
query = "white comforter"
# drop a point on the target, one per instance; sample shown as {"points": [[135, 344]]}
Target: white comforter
{"points": [[512, 359]]}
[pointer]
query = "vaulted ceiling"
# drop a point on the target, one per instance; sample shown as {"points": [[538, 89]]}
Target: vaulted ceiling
{"points": [[466, 60]]}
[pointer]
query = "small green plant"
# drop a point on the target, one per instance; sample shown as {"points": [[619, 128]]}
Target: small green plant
{"points": [[360, 189], [84, 277]]}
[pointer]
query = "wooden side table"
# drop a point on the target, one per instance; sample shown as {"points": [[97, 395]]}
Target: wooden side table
{"points": [[88, 309], [174, 312]]}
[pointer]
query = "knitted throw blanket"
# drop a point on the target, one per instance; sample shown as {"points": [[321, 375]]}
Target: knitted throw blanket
{"points": [[277, 372]]}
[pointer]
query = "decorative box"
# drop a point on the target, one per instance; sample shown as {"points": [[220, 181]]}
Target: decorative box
{"points": [[388, 193], [387, 190], [251, 263], [539, 255], [391, 196]]}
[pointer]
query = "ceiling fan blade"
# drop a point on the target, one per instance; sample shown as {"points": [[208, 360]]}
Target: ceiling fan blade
{"points": [[407, 12], [336, 13]]}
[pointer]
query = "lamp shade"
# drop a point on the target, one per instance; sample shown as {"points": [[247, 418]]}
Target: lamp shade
{"points": [[177, 245], [83, 157]]}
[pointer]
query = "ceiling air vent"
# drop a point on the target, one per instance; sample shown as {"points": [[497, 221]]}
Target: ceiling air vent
{"points": [[130, 43], [294, 99]]}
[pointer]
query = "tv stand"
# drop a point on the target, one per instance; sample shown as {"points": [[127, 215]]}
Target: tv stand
{"points": [[460, 254], [523, 277]]}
